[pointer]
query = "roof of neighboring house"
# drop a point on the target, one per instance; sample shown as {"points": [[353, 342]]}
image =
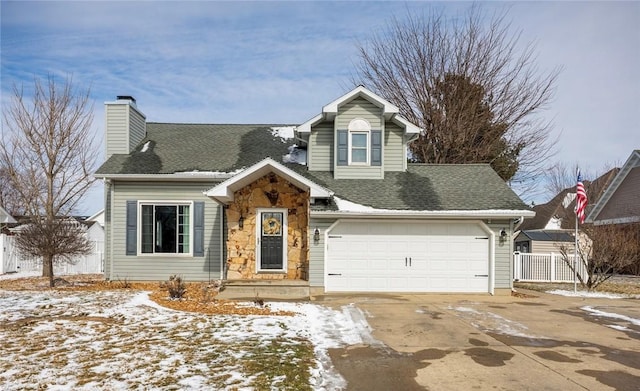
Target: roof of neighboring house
{"points": [[620, 203], [5, 217], [181, 148], [545, 235], [562, 206]]}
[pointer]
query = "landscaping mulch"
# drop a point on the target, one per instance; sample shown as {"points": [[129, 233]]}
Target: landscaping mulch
{"points": [[200, 297]]}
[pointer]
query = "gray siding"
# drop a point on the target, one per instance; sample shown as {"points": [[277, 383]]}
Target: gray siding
{"points": [[538, 246], [359, 108], [137, 128], [394, 149], [125, 128], [117, 122], [359, 172], [320, 156], [316, 252], [159, 267], [503, 255]]}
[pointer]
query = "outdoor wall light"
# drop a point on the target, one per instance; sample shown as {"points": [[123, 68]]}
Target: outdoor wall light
{"points": [[503, 233], [241, 222], [316, 236]]}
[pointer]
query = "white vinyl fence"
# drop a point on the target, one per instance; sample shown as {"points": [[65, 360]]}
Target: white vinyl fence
{"points": [[551, 267], [12, 261]]}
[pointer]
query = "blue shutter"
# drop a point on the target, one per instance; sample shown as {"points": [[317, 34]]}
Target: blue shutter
{"points": [[131, 230], [376, 148], [343, 157], [198, 229]]}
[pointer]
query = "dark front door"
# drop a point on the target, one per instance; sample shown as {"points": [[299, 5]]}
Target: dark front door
{"points": [[271, 241]]}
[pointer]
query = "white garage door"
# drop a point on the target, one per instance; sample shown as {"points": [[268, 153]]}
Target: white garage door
{"points": [[377, 256]]}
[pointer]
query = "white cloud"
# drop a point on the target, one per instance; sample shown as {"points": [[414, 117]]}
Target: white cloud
{"points": [[280, 62]]}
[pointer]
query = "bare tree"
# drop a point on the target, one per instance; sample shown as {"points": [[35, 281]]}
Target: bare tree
{"points": [[611, 249], [421, 62], [48, 156]]}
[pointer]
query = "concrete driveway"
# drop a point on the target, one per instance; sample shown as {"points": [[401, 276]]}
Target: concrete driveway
{"points": [[467, 342]]}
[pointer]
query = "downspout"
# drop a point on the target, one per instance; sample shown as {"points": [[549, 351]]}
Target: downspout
{"points": [[223, 243], [110, 185]]}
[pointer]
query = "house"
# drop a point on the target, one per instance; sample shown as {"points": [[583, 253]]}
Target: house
{"points": [[5, 218], [559, 213], [543, 241], [331, 204], [620, 203]]}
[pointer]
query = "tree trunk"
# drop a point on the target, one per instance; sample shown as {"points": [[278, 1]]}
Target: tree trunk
{"points": [[47, 268]]}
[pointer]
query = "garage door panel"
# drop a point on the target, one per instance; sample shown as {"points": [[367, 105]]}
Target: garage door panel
{"points": [[408, 257]]}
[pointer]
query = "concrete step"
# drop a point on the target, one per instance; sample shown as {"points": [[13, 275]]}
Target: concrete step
{"points": [[268, 289]]}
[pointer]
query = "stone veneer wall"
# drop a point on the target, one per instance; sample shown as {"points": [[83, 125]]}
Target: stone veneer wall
{"points": [[270, 191]]}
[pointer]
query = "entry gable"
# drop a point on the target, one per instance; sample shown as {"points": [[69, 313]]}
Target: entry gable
{"points": [[224, 192]]}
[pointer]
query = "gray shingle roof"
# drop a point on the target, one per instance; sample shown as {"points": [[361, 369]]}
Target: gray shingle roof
{"points": [[226, 148], [433, 187], [549, 235], [188, 147]]}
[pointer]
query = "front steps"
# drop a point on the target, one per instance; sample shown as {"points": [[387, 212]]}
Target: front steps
{"points": [[264, 289]]}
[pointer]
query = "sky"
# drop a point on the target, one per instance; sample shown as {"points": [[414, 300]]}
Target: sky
{"points": [[280, 62]]}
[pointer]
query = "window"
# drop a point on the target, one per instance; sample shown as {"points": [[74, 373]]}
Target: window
{"points": [[165, 228], [359, 153], [359, 145]]}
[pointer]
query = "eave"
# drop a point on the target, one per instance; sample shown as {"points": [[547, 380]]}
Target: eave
{"points": [[175, 177], [421, 214], [224, 192]]}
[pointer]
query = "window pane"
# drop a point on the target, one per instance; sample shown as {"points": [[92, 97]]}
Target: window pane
{"points": [[147, 228], [359, 140], [166, 223], [359, 155]]}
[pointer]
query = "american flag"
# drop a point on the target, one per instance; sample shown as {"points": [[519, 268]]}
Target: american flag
{"points": [[581, 199]]}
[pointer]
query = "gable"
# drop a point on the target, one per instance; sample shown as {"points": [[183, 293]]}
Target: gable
{"points": [[624, 203], [620, 203]]}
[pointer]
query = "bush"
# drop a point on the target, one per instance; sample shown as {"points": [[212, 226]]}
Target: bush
{"points": [[176, 287]]}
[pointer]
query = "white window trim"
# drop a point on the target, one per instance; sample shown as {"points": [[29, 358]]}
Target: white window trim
{"points": [[164, 203], [285, 239], [359, 126]]}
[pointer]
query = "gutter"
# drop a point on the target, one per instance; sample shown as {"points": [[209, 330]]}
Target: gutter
{"points": [[180, 177], [450, 214]]}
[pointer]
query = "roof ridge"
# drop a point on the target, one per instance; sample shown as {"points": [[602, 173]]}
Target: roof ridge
{"points": [[217, 124]]}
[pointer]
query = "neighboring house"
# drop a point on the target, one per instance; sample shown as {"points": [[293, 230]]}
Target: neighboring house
{"points": [[620, 202], [5, 219], [331, 203], [559, 212], [97, 217], [544, 241]]}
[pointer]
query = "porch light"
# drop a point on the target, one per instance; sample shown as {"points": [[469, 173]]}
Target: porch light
{"points": [[241, 222], [503, 233], [316, 236]]}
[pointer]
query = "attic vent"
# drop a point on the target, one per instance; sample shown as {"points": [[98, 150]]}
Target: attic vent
{"points": [[127, 97]]}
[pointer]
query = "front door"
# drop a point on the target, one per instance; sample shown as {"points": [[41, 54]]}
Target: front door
{"points": [[272, 235]]}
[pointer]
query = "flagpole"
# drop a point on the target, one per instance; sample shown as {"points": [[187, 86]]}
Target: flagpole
{"points": [[575, 259]]}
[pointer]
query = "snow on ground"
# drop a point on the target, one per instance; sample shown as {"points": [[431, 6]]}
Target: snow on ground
{"points": [[595, 295], [13, 276], [123, 340], [491, 322], [611, 315]]}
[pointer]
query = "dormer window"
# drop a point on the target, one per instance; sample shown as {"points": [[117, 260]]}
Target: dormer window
{"points": [[359, 133], [358, 145]]}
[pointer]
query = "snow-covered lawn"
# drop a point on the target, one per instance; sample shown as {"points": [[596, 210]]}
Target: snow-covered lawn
{"points": [[108, 340]]}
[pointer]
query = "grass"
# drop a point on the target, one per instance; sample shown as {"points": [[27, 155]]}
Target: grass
{"points": [[66, 344]]}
